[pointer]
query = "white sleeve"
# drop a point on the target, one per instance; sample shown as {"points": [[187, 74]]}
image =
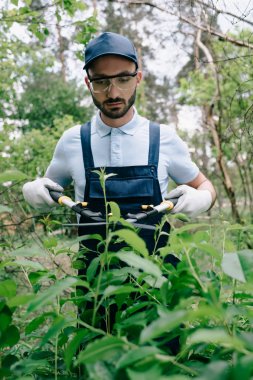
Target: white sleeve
{"points": [[58, 170], [181, 167], [175, 154]]}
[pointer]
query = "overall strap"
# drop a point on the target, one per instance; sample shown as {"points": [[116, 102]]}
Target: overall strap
{"points": [[86, 146], [154, 143]]}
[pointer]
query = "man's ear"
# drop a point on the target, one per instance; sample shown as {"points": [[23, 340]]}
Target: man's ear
{"points": [[86, 80], [139, 77]]}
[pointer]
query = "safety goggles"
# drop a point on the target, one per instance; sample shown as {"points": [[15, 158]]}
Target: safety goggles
{"points": [[123, 82]]}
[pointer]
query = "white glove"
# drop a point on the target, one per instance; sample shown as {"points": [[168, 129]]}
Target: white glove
{"points": [[191, 201], [37, 195]]}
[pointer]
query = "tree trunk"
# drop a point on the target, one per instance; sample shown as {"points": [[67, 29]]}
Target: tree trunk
{"points": [[61, 52], [215, 129], [226, 180]]}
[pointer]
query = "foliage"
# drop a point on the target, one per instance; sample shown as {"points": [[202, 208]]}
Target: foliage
{"points": [[31, 63], [46, 96], [33, 14], [229, 93], [204, 303], [11, 49], [32, 158]]}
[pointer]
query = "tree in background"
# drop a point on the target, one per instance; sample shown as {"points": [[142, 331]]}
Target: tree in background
{"points": [[37, 84], [39, 97], [46, 96], [42, 65]]}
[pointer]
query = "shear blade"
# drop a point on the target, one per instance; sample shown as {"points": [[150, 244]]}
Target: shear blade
{"points": [[138, 225]]}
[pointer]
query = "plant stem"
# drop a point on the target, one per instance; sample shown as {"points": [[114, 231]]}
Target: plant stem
{"points": [[89, 327], [56, 342], [194, 273], [166, 358], [145, 291], [26, 276], [56, 359]]}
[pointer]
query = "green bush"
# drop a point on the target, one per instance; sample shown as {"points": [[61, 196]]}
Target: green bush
{"points": [[205, 303]]}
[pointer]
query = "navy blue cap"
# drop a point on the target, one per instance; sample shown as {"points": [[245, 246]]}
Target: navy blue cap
{"points": [[110, 43]]}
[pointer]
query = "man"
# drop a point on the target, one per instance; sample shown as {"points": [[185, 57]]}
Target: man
{"points": [[122, 140], [142, 155]]}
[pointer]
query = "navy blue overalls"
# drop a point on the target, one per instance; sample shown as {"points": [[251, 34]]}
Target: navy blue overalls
{"points": [[131, 187]]}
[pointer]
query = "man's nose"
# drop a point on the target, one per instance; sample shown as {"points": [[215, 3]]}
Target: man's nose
{"points": [[112, 90]]}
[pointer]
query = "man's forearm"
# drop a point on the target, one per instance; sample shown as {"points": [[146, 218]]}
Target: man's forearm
{"points": [[207, 185], [203, 183]]}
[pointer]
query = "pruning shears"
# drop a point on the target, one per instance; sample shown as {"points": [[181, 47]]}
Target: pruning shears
{"points": [[97, 218]]}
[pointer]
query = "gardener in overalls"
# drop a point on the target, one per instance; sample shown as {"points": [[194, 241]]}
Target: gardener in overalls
{"points": [[142, 154]]}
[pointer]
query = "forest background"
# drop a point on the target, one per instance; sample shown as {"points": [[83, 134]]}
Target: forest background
{"points": [[197, 77]]}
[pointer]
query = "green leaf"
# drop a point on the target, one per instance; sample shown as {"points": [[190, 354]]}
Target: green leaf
{"points": [[28, 365], [114, 290], [100, 371], [12, 175], [201, 237], [106, 176], [14, 2], [86, 237], [7, 263], [209, 249], [190, 227], [215, 336], [182, 217], [133, 240], [246, 260], [20, 300], [154, 282], [238, 227], [239, 265], [6, 363], [72, 347], [45, 298], [135, 355], [247, 338], [161, 325], [38, 276], [8, 288], [5, 318], [54, 329], [242, 369], [92, 269], [101, 349], [152, 373], [115, 210], [51, 242], [232, 267], [10, 337], [216, 370], [146, 265], [36, 322]]}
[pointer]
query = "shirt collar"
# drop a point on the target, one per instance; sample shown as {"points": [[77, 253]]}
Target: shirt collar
{"points": [[128, 128]]}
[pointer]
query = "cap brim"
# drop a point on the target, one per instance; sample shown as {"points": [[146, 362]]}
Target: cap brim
{"points": [[111, 53]]}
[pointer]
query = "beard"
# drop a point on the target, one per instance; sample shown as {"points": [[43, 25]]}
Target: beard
{"points": [[115, 113]]}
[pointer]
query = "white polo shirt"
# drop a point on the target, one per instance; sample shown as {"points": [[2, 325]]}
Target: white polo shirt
{"points": [[124, 146]]}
